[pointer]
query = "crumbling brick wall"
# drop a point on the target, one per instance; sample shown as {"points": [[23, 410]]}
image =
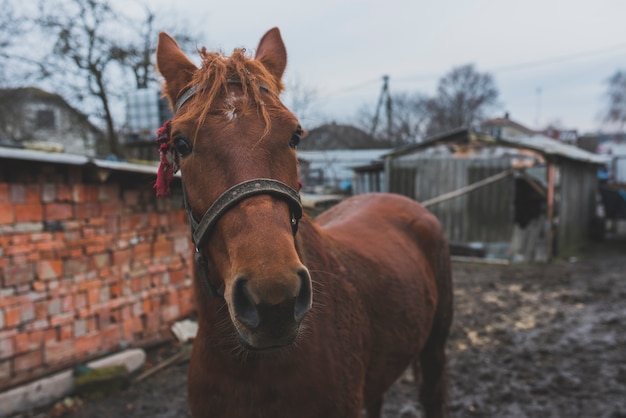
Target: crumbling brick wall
{"points": [[86, 266]]}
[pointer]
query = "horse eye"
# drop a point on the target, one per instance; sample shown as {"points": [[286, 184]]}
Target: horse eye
{"points": [[295, 138], [183, 147]]}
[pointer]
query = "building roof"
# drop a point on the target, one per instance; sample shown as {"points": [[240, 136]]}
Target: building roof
{"points": [[333, 136], [551, 147], [542, 144], [506, 121], [74, 159], [13, 96]]}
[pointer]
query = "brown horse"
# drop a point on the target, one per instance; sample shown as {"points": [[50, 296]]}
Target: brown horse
{"points": [[296, 318]]}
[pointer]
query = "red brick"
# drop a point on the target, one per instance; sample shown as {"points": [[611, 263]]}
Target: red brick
{"points": [[111, 208], [90, 193], [50, 246], [20, 249], [49, 269], [87, 344], [5, 195], [122, 256], [7, 213], [33, 193], [111, 336], [18, 274], [152, 322], [29, 212], [131, 197], [61, 319], [58, 211], [146, 305], [131, 327], [67, 332], [25, 342], [28, 361], [59, 352], [12, 316], [87, 210], [93, 296], [177, 277], [64, 193], [41, 309], [162, 248], [95, 249], [142, 251]]}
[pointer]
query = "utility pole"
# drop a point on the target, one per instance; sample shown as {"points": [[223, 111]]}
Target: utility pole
{"points": [[384, 99]]}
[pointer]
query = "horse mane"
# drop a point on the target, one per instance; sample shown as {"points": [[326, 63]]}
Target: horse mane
{"points": [[218, 71]]}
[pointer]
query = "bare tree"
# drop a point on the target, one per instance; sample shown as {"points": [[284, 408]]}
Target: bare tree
{"points": [[84, 52], [16, 67], [409, 118], [299, 97], [616, 96], [463, 97], [137, 54], [96, 49]]}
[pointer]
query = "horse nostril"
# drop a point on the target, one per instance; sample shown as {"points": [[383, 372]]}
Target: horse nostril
{"points": [[245, 309], [304, 298]]}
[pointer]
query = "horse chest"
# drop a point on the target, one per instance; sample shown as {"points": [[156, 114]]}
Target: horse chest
{"points": [[317, 378], [276, 388]]}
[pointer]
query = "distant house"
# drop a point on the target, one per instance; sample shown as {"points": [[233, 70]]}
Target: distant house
{"points": [[333, 169], [332, 151], [30, 117], [333, 136], [505, 127]]}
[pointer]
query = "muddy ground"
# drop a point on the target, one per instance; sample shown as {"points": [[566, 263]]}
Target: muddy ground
{"points": [[527, 341]]}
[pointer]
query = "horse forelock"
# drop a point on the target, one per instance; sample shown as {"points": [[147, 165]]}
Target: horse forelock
{"points": [[217, 72]]}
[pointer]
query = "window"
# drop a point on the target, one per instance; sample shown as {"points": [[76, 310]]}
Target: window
{"points": [[45, 119]]}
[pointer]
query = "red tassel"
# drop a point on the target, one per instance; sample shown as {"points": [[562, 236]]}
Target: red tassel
{"points": [[165, 172]]}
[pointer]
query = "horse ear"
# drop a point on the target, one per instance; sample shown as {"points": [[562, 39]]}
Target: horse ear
{"points": [[174, 66], [272, 53]]}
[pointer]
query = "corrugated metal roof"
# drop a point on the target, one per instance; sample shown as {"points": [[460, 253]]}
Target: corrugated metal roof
{"points": [[73, 159], [551, 147]]}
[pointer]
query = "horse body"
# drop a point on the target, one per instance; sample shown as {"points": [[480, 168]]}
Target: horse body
{"points": [[315, 321]]}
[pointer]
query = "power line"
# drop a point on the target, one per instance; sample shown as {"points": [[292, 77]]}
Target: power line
{"points": [[502, 69]]}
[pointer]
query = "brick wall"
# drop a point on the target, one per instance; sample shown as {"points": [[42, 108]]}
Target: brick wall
{"points": [[86, 267]]}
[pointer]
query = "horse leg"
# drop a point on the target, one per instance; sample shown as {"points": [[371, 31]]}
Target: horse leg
{"points": [[433, 384], [374, 407]]}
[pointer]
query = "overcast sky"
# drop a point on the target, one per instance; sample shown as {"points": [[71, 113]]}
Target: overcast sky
{"points": [[550, 58]]}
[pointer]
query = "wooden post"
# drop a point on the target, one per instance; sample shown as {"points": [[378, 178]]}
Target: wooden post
{"points": [[550, 211]]}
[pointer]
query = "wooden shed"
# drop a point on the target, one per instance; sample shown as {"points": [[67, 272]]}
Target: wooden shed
{"points": [[527, 199]]}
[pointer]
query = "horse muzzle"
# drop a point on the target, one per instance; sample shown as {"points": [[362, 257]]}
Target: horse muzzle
{"points": [[269, 315]]}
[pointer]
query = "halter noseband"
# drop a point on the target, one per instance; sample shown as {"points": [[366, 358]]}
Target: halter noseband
{"points": [[201, 230]]}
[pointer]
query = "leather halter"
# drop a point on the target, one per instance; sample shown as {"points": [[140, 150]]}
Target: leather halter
{"points": [[201, 230]]}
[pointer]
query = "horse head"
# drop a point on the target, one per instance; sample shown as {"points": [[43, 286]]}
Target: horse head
{"points": [[234, 142]]}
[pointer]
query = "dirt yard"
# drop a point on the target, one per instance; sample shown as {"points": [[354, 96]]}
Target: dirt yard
{"points": [[527, 341]]}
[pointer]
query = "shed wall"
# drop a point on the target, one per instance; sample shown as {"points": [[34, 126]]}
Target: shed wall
{"points": [[484, 215], [576, 208]]}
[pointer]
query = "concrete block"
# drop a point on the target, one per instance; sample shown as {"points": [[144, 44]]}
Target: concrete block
{"points": [[52, 388]]}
